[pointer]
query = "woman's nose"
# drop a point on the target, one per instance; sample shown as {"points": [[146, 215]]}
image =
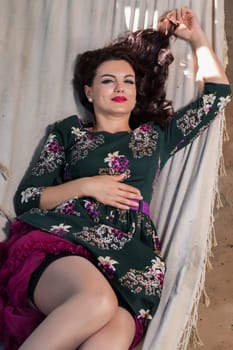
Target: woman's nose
{"points": [[119, 87]]}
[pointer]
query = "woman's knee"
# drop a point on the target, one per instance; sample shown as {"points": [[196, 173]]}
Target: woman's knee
{"points": [[125, 320], [103, 303], [121, 328]]}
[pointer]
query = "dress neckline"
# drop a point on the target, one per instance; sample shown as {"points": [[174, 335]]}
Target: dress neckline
{"points": [[93, 132]]}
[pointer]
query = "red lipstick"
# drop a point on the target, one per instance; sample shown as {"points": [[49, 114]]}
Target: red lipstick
{"points": [[119, 99]]}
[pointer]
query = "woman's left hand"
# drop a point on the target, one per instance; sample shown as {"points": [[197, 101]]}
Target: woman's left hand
{"points": [[188, 24]]}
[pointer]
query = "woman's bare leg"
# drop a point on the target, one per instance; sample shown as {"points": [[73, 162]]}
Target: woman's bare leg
{"points": [[77, 300], [117, 334]]}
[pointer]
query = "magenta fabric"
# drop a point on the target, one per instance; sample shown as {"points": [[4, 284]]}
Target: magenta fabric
{"points": [[144, 206], [19, 257]]}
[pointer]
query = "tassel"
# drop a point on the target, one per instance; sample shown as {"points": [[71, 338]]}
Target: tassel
{"points": [[206, 299], [222, 168], [214, 239], [219, 203], [195, 339], [209, 265], [225, 133], [4, 171]]}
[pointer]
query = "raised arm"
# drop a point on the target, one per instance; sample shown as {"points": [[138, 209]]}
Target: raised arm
{"points": [[210, 68]]}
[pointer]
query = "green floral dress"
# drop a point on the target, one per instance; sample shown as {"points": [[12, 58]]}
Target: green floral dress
{"points": [[123, 243]]}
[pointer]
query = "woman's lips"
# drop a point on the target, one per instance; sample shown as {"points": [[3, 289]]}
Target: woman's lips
{"points": [[119, 99]]}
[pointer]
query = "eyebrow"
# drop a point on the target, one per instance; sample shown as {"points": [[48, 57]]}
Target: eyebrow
{"points": [[113, 76]]}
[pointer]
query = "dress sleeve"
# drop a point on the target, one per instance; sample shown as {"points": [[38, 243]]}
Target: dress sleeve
{"points": [[193, 119], [48, 170]]}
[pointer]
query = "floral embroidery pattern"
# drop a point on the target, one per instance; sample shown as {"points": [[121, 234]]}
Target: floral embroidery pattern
{"points": [[208, 101], [104, 237], [144, 141], [31, 193], [152, 233], [92, 210], [52, 156], [149, 282], [85, 142], [144, 315], [223, 101], [68, 208], [122, 215], [38, 211], [111, 216], [192, 118], [117, 163], [60, 229], [107, 265], [200, 131]]}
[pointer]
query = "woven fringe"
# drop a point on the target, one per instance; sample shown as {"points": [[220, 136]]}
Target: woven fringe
{"points": [[206, 298], [214, 239], [4, 171], [222, 169], [190, 335], [218, 201], [225, 133], [195, 340]]}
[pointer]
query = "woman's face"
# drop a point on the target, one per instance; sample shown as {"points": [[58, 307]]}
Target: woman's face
{"points": [[113, 91]]}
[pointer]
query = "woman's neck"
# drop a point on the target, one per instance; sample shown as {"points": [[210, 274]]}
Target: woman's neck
{"points": [[111, 125]]}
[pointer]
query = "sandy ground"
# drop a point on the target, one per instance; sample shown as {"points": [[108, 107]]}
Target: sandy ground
{"points": [[215, 323]]}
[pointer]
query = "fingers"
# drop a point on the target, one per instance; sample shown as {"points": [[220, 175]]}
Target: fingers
{"points": [[122, 203], [119, 194], [132, 192], [180, 15]]}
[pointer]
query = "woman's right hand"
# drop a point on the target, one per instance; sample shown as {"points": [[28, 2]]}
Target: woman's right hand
{"points": [[110, 190], [107, 189]]}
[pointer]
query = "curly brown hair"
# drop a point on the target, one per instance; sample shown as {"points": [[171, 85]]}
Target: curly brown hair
{"points": [[147, 51]]}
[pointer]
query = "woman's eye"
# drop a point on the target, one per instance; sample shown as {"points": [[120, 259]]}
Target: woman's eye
{"points": [[107, 81], [129, 81]]}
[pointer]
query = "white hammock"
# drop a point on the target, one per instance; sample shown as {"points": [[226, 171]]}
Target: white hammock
{"points": [[38, 43]]}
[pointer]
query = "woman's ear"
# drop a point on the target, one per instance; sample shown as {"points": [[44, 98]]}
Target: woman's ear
{"points": [[87, 90]]}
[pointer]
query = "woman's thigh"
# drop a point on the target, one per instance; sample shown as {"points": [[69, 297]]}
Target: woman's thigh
{"points": [[71, 276]]}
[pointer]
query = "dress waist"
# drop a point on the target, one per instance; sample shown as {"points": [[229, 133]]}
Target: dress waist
{"points": [[143, 206]]}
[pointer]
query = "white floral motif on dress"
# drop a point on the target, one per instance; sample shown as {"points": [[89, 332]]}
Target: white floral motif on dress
{"points": [[144, 141], [149, 281], [223, 101], [104, 237], [60, 229], [144, 314], [193, 117], [30, 193], [107, 265], [51, 157], [85, 142], [117, 164], [208, 101], [77, 132]]}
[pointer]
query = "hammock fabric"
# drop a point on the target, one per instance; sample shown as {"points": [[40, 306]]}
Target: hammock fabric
{"points": [[38, 46]]}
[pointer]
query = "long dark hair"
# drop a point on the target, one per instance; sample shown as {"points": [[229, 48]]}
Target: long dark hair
{"points": [[151, 47], [147, 51]]}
